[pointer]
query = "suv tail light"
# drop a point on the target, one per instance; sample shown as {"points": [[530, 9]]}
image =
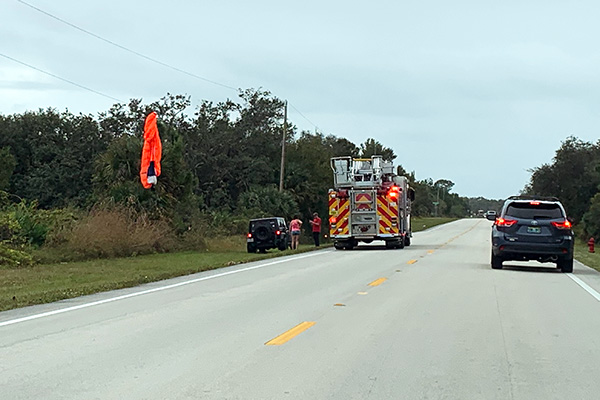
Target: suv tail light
{"points": [[249, 235], [278, 233], [566, 224], [505, 222]]}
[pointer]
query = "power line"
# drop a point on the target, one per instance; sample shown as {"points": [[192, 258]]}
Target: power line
{"points": [[303, 116], [58, 77], [126, 48], [139, 55]]}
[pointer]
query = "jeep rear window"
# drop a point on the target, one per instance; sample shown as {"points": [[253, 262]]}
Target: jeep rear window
{"points": [[533, 211], [264, 222]]}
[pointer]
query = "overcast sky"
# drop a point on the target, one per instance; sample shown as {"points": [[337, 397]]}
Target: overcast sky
{"points": [[477, 92]]}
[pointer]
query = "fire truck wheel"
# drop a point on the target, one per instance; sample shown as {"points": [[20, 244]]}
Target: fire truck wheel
{"points": [[407, 240], [400, 244]]}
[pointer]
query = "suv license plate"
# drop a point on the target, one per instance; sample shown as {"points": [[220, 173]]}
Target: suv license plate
{"points": [[250, 240], [534, 229]]}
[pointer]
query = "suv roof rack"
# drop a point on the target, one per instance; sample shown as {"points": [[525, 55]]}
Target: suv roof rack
{"points": [[533, 197]]}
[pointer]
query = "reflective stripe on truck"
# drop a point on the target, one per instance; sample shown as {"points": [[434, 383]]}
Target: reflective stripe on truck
{"points": [[339, 210], [387, 211]]}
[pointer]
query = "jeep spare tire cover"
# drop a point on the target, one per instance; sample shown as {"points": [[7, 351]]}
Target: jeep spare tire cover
{"points": [[262, 233]]}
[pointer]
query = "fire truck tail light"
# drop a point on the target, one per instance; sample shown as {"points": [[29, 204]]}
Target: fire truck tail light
{"points": [[393, 193], [333, 220]]}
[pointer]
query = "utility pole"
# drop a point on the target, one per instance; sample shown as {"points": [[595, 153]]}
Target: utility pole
{"points": [[283, 147]]}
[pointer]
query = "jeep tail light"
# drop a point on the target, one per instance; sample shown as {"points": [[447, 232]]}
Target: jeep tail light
{"points": [[566, 224], [249, 235], [278, 233], [505, 222]]}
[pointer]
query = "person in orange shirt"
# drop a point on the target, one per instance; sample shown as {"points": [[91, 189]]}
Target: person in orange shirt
{"points": [[316, 228]]}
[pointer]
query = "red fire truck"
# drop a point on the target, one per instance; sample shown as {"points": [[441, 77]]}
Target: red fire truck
{"points": [[368, 202]]}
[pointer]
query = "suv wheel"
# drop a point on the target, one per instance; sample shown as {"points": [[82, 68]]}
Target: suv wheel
{"points": [[496, 262], [251, 248], [565, 265]]}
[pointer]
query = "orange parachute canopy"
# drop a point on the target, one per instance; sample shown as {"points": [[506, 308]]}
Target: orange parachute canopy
{"points": [[151, 152]]}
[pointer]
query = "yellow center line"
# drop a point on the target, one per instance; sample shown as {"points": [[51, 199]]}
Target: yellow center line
{"points": [[430, 251], [378, 282], [292, 333], [411, 261]]}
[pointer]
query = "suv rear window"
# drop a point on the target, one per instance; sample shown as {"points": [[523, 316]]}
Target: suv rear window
{"points": [[533, 211]]}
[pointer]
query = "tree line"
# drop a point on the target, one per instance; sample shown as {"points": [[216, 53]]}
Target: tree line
{"points": [[573, 177], [220, 166]]}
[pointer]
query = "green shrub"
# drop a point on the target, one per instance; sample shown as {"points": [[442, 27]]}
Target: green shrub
{"points": [[12, 258], [267, 201], [22, 224], [591, 219]]}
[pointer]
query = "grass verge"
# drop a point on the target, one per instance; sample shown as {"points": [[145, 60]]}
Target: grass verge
{"points": [[582, 254], [45, 283], [420, 224]]}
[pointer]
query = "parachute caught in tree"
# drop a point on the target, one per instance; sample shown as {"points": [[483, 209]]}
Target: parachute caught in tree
{"points": [[151, 153]]}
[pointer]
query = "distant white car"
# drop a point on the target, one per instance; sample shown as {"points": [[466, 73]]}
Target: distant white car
{"points": [[490, 214]]}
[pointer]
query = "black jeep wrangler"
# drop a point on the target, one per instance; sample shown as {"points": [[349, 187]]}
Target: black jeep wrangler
{"points": [[267, 233]]}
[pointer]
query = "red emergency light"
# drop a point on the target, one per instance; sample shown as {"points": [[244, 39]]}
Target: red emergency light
{"points": [[393, 193]]}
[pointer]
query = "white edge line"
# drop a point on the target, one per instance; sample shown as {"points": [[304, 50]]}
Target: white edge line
{"points": [[585, 286], [158, 289]]}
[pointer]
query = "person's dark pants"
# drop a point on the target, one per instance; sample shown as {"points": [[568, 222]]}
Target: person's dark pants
{"points": [[316, 236]]}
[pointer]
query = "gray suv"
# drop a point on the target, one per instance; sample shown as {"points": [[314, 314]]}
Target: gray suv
{"points": [[532, 228]]}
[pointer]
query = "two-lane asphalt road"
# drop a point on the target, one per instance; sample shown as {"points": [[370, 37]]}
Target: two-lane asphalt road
{"points": [[431, 321]]}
